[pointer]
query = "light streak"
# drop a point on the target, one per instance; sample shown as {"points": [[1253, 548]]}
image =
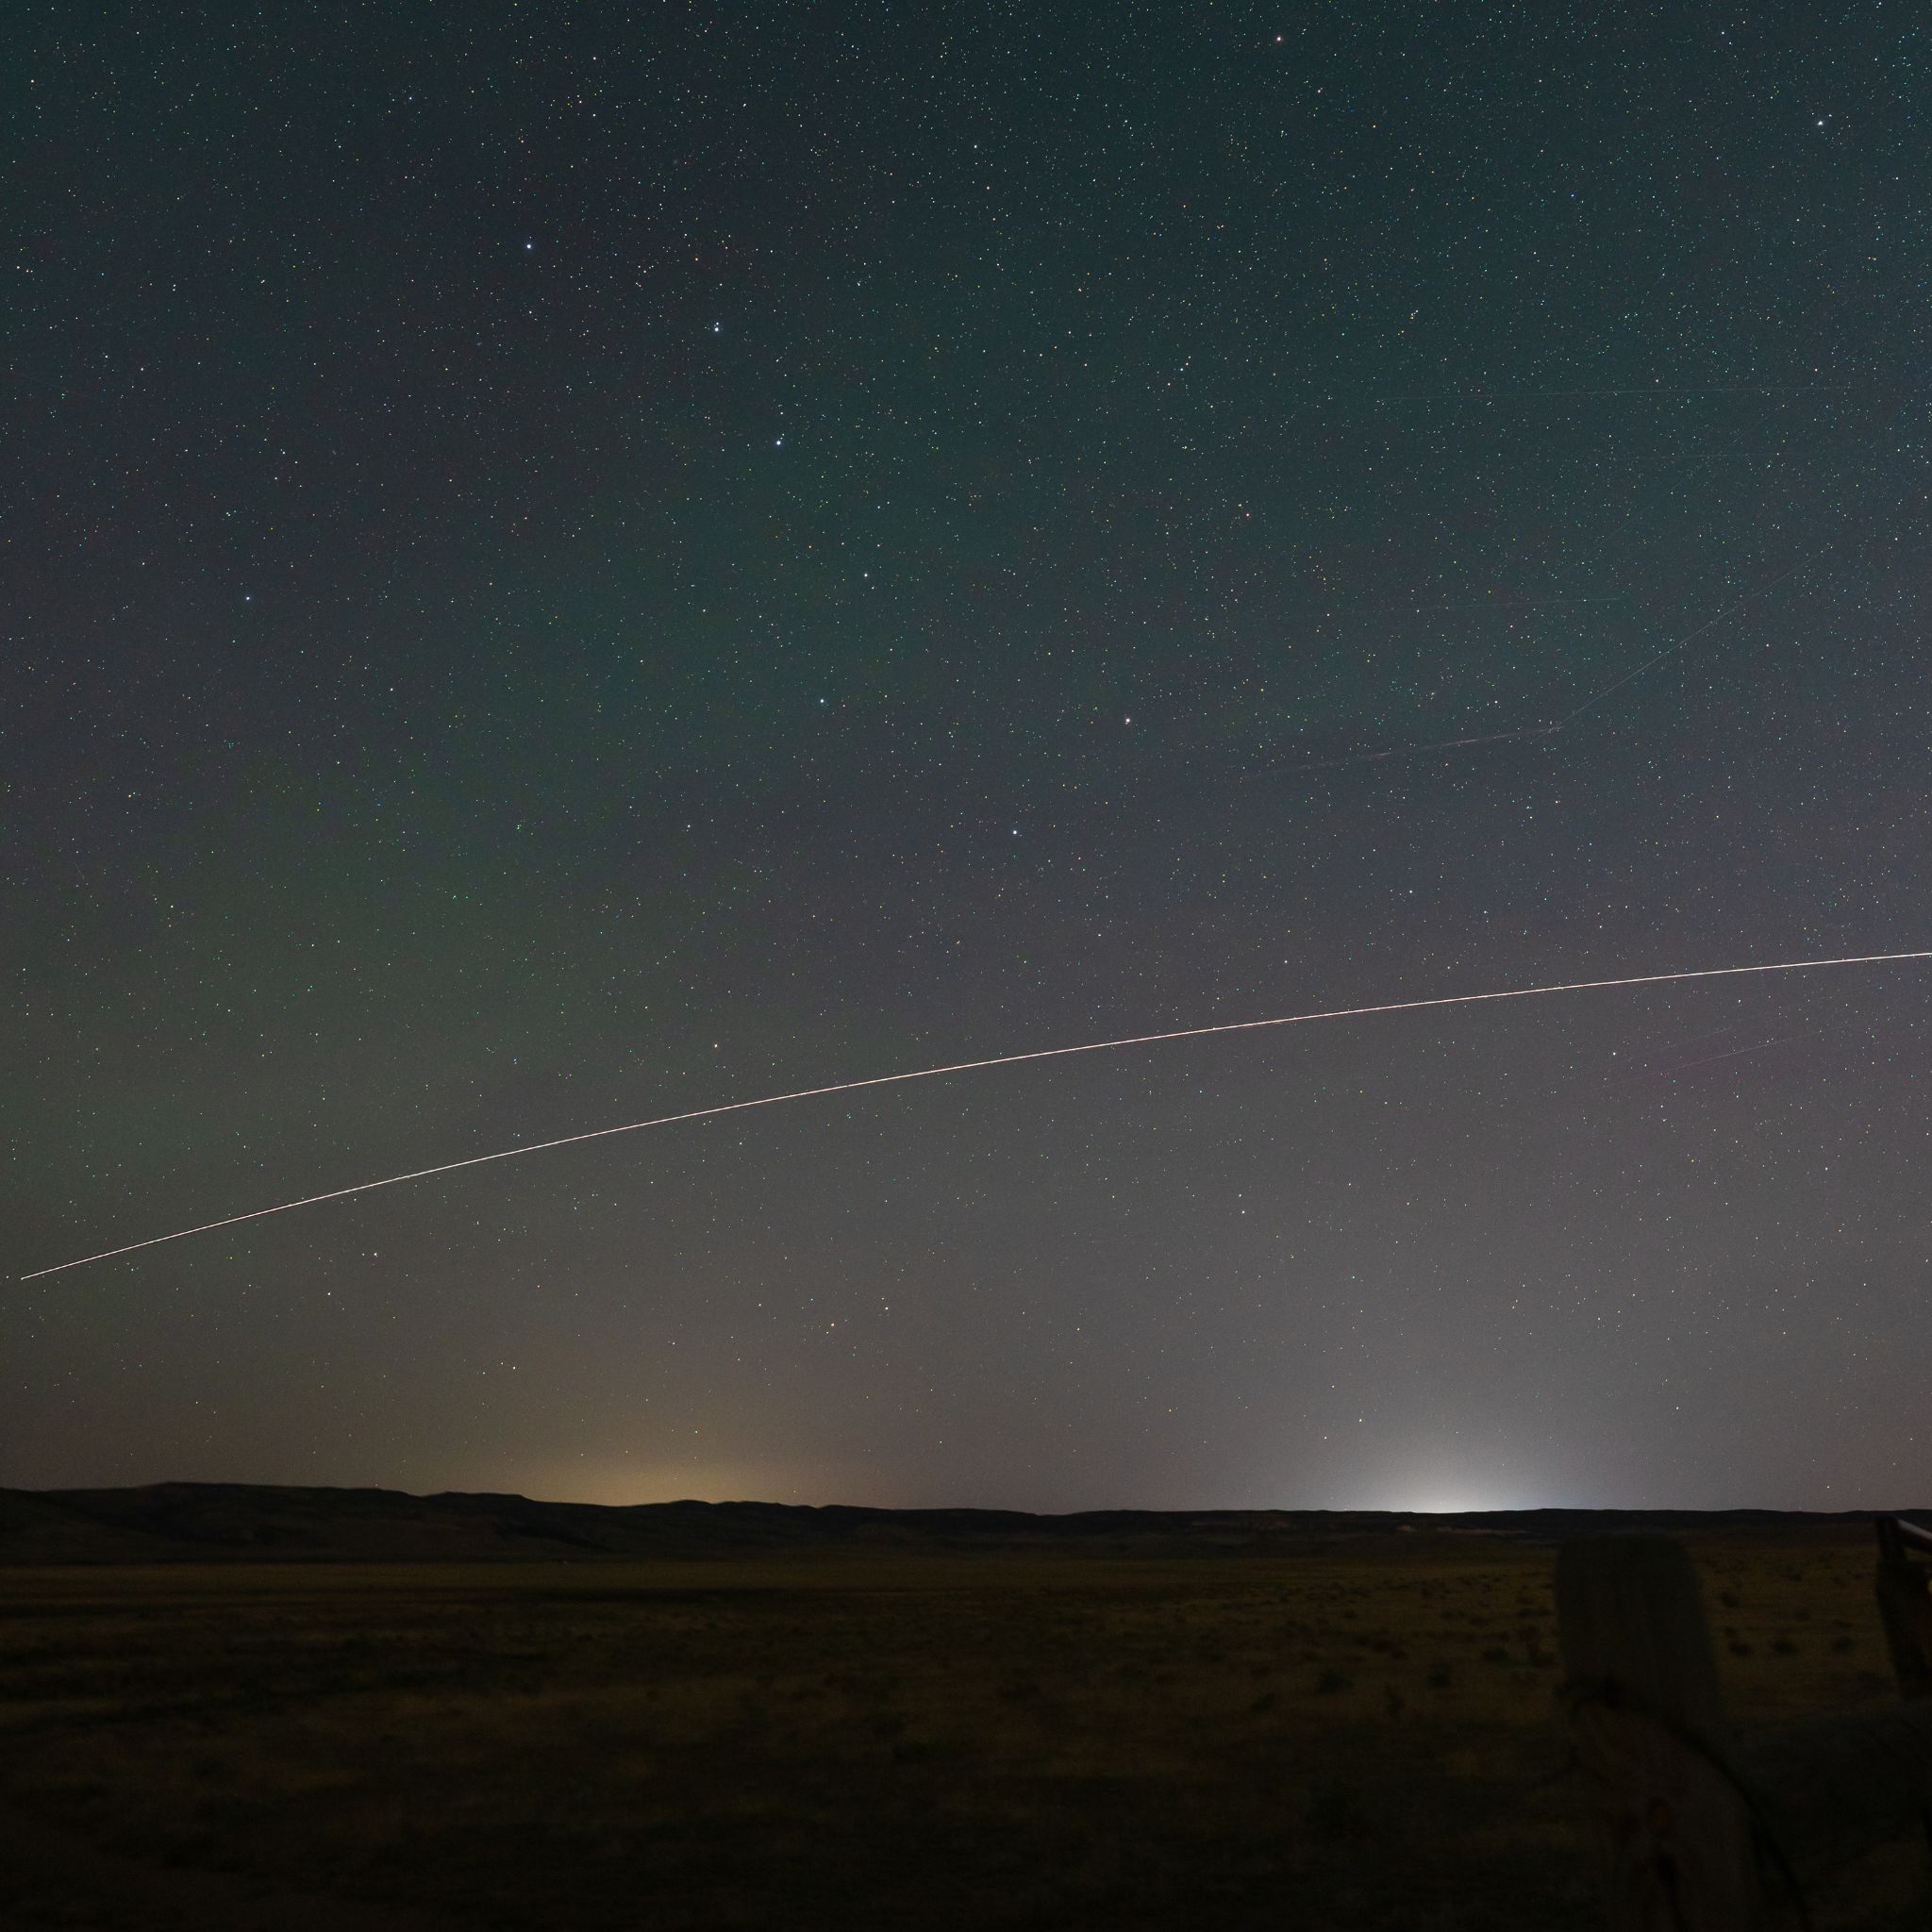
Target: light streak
{"points": [[1005, 1059], [1711, 1060], [1690, 637], [1546, 729], [1657, 390], [1407, 751]]}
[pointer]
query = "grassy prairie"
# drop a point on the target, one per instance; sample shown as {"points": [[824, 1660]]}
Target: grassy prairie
{"points": [[1361, 1737]]}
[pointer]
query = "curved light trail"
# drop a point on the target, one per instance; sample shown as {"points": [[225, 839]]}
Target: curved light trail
{"points": [[1005, 1059]]}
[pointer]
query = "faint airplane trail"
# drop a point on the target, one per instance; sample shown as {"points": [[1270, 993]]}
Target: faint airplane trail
{"points": [[1569, 718], [1005, 1059], [1711, 1060], [1690, 637], [1429, 606], [1658, 389], [1405, 751], [1670, 650]]}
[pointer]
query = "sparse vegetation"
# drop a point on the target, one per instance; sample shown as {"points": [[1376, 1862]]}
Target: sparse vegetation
{"points": [[1360, 1738]]}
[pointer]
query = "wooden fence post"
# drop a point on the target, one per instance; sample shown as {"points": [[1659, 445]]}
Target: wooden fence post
{"points": [[1707, 1832], [1905, 1603], [1648, 1725]]}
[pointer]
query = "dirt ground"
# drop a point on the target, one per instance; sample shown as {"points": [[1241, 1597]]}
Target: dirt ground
{"points": [[1363, 1737]]}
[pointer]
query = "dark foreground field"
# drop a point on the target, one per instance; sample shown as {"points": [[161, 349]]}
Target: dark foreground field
{"points": [[1356, 1736]]}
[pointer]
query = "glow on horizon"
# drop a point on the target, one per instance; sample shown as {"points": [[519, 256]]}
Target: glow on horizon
{"points": [[1436, 1503], [1006, 1059]]}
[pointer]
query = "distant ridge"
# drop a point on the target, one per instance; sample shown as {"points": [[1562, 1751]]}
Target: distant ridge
{"points": [[177, 1523]]}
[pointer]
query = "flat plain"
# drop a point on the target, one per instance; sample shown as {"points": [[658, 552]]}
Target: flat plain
{"points": [[1363, 1733]]}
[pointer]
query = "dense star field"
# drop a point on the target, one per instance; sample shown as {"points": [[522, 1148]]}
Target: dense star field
{"points": [[567, 566]]}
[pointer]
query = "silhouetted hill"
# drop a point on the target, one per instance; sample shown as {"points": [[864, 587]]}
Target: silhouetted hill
{"points": [[237, 1522]]}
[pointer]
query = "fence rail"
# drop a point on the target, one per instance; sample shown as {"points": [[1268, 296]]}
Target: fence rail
{"points": [[1709, 1832]]}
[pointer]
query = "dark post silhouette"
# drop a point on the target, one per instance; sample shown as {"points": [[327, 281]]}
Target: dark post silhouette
{"points": [[1647, 1722], [1707, 1832], [1904, 1602]]}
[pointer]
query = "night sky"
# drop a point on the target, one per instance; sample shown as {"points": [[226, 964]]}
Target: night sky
{"points": [[567, 563]]}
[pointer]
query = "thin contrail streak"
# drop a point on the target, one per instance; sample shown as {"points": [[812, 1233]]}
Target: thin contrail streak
{"points": [[1671, 650], [1520, 395], [1005, 1059], [1406, 751], [1569, 718], [1711, 1060], [1690, 637]]}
